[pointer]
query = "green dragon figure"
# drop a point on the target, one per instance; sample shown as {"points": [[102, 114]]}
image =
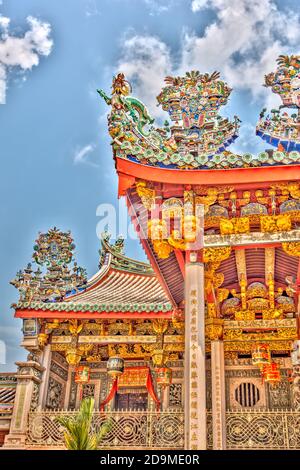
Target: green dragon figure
{"points": [[120, 100]]}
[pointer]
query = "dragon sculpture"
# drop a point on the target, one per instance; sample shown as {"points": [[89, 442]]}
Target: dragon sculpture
{"points": [[121, 101]]}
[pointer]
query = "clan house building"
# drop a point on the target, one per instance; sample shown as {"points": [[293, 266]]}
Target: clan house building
{"points": [[197, 349]]}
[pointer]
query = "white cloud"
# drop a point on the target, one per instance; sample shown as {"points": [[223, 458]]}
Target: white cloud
{"points": [[146, 60], [247, 141], [22, 52], [243, 42], [157, 7], [4, 22], [198, 5], [82, 154], [92, 9]]}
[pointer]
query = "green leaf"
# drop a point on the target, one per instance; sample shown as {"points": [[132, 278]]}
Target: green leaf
{"points": [[78, 433]]}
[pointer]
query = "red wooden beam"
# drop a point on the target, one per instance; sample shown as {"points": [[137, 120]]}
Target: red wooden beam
{"points": [[90, 315], [233, 176]]}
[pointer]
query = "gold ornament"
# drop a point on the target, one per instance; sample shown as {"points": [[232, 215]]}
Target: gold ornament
{"points": [[162, 248], [157, 229], [245, 315], [275, 223], [214, 329], [246, 346], [216, 254], [190, 228], [175, 241], [291, 248], [211, 310], [75, 327], [159, 357], [236, 225], [160, 326], [146, 194], [42, 339], [292, 188], [272, 314], [222, 294], [73, 356]]}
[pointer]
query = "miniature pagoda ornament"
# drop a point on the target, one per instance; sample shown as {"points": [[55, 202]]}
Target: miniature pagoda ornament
{"points": [[282, 129], [193, 103], [54, 251], [198, 131]]}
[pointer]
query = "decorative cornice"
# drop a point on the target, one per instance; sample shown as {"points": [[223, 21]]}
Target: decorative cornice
{"points": [[96, 308], [251, 238]]}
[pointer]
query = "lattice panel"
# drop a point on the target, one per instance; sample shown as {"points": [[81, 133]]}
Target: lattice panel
{"points": [[175, 396], [128, 429], [88, 390], [167, 431], [263, 430]]}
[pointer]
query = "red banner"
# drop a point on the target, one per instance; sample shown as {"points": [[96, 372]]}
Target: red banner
{"points": [[139, 376], [111, 394]]}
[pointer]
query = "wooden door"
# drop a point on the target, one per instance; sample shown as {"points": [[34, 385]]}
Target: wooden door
{"points": [[131, 401]]}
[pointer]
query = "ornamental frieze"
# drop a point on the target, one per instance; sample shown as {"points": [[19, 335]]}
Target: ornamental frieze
{"points": [[278, 334], [247, 346], [251, 238]]}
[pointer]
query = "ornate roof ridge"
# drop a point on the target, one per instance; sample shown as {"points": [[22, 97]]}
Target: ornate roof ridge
{"points": [[198, 137], [96, 307], [119, 260]]}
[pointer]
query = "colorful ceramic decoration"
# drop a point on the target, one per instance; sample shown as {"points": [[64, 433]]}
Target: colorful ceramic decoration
{"points": [[277, 127], [54, 251], [198, 137]]}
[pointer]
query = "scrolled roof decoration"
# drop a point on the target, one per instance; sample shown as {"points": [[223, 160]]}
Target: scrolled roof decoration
{"points": [[199, 136], [193, 102], [285, 81], [282, 129], [53, 250]]}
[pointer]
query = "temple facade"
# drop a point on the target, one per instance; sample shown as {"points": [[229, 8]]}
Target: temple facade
{"points": [[199, 348]]}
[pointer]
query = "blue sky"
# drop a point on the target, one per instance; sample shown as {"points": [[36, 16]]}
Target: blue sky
{"points": [[56, 162]]}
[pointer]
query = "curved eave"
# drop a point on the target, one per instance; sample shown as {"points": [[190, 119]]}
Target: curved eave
{"points": [[128, 171]]}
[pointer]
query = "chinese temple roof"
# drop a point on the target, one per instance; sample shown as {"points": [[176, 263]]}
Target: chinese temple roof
{"points": [[199, 137], [121, 285]]}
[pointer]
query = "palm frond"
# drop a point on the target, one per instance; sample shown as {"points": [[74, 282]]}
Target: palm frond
{"points": [[78, 433]]}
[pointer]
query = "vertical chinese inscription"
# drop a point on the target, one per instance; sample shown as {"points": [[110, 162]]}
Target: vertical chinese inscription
{"points": [[194, 391]]}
